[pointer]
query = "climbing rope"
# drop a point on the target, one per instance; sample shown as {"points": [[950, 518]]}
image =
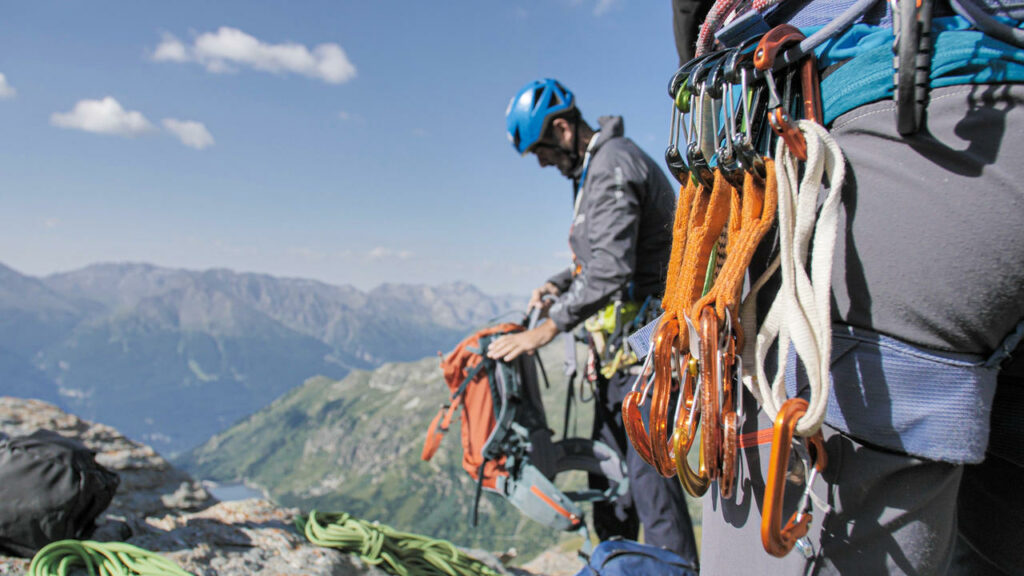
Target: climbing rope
{"points": [[100, 559], [801, 313], [399, 553]]}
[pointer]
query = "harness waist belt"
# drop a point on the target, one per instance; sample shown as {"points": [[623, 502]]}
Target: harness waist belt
{"points": [[927, 403]]}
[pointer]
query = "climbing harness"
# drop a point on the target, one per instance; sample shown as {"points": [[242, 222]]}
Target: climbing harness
{"points": [[395, 552], [63, 557], [606, 334]]}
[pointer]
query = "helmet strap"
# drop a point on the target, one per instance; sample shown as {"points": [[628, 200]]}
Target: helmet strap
{"points": [[574, 153]]}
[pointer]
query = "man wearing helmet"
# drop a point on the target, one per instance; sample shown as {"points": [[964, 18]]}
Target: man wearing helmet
{"points": [[620, 237]]}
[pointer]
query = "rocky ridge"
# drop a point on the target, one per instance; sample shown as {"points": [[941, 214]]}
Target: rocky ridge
{"points": [[162, 509]]}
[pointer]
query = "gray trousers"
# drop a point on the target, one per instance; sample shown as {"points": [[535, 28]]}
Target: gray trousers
{"points": [[930, 251]]}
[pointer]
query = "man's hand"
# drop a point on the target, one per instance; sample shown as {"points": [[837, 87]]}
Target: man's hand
{"points": [[537, 299], [510, 346]]}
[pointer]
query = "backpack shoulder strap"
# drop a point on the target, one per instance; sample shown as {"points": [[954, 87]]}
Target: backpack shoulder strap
{"points": [[439, 426]]}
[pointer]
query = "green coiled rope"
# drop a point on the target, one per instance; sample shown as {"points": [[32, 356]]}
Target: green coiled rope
{"points": [[100, 559], [398, 553]]}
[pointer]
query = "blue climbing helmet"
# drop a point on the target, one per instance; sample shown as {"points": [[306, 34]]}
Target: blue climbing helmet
{"points": [[531, 110]]}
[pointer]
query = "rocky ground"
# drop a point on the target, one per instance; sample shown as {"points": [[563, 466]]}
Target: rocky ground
{"points": [[162, 509]]}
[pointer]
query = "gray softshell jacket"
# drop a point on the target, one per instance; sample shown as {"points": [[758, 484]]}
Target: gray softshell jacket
{"points": [[621, 236]]}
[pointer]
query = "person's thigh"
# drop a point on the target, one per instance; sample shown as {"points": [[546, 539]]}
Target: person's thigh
{"points": [[930, 243], [888, 513], [990, 506]]}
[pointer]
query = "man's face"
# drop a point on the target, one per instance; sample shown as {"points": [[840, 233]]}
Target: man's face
{"points": [[549, 154], [555, 148]]}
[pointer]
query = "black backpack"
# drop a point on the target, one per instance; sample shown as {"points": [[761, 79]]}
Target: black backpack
{"points": [[51, 488]]}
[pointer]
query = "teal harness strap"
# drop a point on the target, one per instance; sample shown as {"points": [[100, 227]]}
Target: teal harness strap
{"points": [[961, 56]]}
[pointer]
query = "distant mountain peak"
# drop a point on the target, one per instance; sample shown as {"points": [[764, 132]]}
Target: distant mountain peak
{"points": [[208, 347]]}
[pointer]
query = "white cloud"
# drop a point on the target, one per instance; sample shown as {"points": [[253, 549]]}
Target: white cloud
{"points": [[382, 253], [191, 133], [230, 48], [6, 90], [51, 223], [102, 117], [170, 50]]}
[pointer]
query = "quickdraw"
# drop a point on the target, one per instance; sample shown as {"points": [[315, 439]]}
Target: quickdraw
{"points": [[731, 191]]}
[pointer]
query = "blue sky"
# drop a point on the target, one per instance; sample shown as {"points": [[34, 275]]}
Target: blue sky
{"points": [[350, 142]]}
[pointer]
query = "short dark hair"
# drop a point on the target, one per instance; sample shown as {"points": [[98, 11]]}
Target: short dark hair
{"points": [[571, 115]]}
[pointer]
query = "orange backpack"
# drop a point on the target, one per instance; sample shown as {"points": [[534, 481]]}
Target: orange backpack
{"points": [[506, 443]]}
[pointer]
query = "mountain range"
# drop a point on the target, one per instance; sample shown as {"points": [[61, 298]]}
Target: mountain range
{"points": [[171, 357]]}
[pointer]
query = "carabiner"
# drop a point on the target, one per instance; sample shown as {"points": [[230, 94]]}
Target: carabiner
{"points": [[682, 74], [778, 540], [700, 169], [720, 89], [738, 69], [666, 340], [673, 159], [764, 60], [729, 163], [710, 376], [632, 418], [730, 421], [695, 483]]}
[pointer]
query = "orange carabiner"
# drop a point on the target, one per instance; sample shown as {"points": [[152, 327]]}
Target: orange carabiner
{"points": [[634, 424], [778, 540], [730, 431], [764, 59], [666, 361], [710, 427], [632, 418]]}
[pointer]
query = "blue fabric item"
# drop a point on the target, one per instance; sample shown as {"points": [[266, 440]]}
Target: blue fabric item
{"points": [[640, 341], [817, 13], [930, 404], [746, 26], [820, 12], [961, 56], [629, 558]]}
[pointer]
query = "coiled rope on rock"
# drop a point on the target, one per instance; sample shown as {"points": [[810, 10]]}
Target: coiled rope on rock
{"points": [[399, 553], [100, 559]]}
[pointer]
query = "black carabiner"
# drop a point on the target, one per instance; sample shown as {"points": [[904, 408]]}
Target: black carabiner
{"points": [[684, 72]]}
